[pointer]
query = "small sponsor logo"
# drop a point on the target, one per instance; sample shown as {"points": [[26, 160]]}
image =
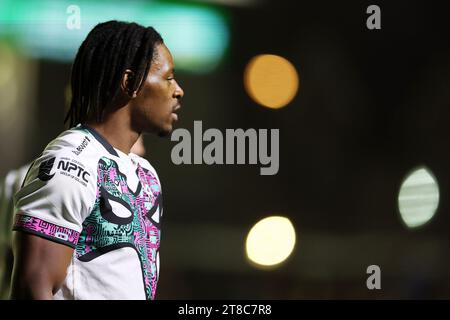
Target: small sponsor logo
{"points": [[82, 146]]}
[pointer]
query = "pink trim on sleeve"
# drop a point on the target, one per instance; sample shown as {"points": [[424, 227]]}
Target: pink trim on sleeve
{"points": [[46, 229]]}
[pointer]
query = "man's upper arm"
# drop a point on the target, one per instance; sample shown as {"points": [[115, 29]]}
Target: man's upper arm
{"points": [[40, 266], [50, 209]]}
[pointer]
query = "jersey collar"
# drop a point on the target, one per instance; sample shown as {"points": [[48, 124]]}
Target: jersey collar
{"points": [[100, 139]]}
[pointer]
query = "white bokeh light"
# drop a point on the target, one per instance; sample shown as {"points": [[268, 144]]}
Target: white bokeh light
{"points": [[270, 241], [418, 197]]}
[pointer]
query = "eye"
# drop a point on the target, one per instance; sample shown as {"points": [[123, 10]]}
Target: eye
{"points": [[171, 78]]}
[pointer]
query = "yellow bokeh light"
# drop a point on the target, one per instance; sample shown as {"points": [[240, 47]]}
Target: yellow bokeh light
{"points": [[270, 241], [271, 80]]}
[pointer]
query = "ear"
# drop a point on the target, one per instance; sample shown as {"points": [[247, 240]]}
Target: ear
{"points": [[125, 84]]}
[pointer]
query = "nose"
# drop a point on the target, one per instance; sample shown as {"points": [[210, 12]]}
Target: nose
{"points": [[179, 93]]}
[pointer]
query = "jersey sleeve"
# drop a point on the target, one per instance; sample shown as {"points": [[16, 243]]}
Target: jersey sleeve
{"points": [[57, 195]]}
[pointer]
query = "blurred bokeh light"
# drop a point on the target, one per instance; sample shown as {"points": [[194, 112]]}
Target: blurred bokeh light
{"points": [[418, 198], [271, 80], [197, 35], [8, 84], [270, 241]]}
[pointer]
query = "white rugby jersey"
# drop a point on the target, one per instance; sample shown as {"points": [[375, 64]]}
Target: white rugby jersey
{"points": [[83, 193]]}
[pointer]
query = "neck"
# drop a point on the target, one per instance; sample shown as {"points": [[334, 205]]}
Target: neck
{"points": [[116, 131]]}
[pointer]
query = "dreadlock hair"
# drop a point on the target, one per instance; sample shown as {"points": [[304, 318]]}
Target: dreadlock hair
{"points": [[108, 51]]}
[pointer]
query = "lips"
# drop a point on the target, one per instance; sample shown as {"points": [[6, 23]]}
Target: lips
{"points": [[174, 115], [178, 106]]}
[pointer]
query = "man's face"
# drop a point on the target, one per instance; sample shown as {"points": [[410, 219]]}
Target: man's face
{"points": [[155, 104]]}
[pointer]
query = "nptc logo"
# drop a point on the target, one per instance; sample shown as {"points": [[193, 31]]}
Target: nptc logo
{"points": [[70, 166], [46, 167]]}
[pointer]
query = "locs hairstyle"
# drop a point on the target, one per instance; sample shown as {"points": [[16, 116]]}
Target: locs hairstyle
{"points": [[108, 51]]}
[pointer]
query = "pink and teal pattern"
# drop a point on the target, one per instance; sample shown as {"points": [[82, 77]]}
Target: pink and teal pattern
{"points": [[46, 229], [103, 231]]}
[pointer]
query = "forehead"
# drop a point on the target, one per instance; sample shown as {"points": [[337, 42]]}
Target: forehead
{"points": [[162, 59]]}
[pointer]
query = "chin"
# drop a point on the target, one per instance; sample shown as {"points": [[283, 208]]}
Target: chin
{"points": [[165, 132]]}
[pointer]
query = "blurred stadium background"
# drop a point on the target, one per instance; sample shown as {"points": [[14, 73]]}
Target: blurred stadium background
{"points": [[364, 157]]}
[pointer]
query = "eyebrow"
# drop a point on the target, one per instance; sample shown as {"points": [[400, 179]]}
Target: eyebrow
{"points": [[170, 71]]}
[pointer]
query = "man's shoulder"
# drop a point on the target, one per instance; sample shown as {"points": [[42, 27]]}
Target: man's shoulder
{"points": [[74, 139], [72, 154], [76, 144], [66, 165]]}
